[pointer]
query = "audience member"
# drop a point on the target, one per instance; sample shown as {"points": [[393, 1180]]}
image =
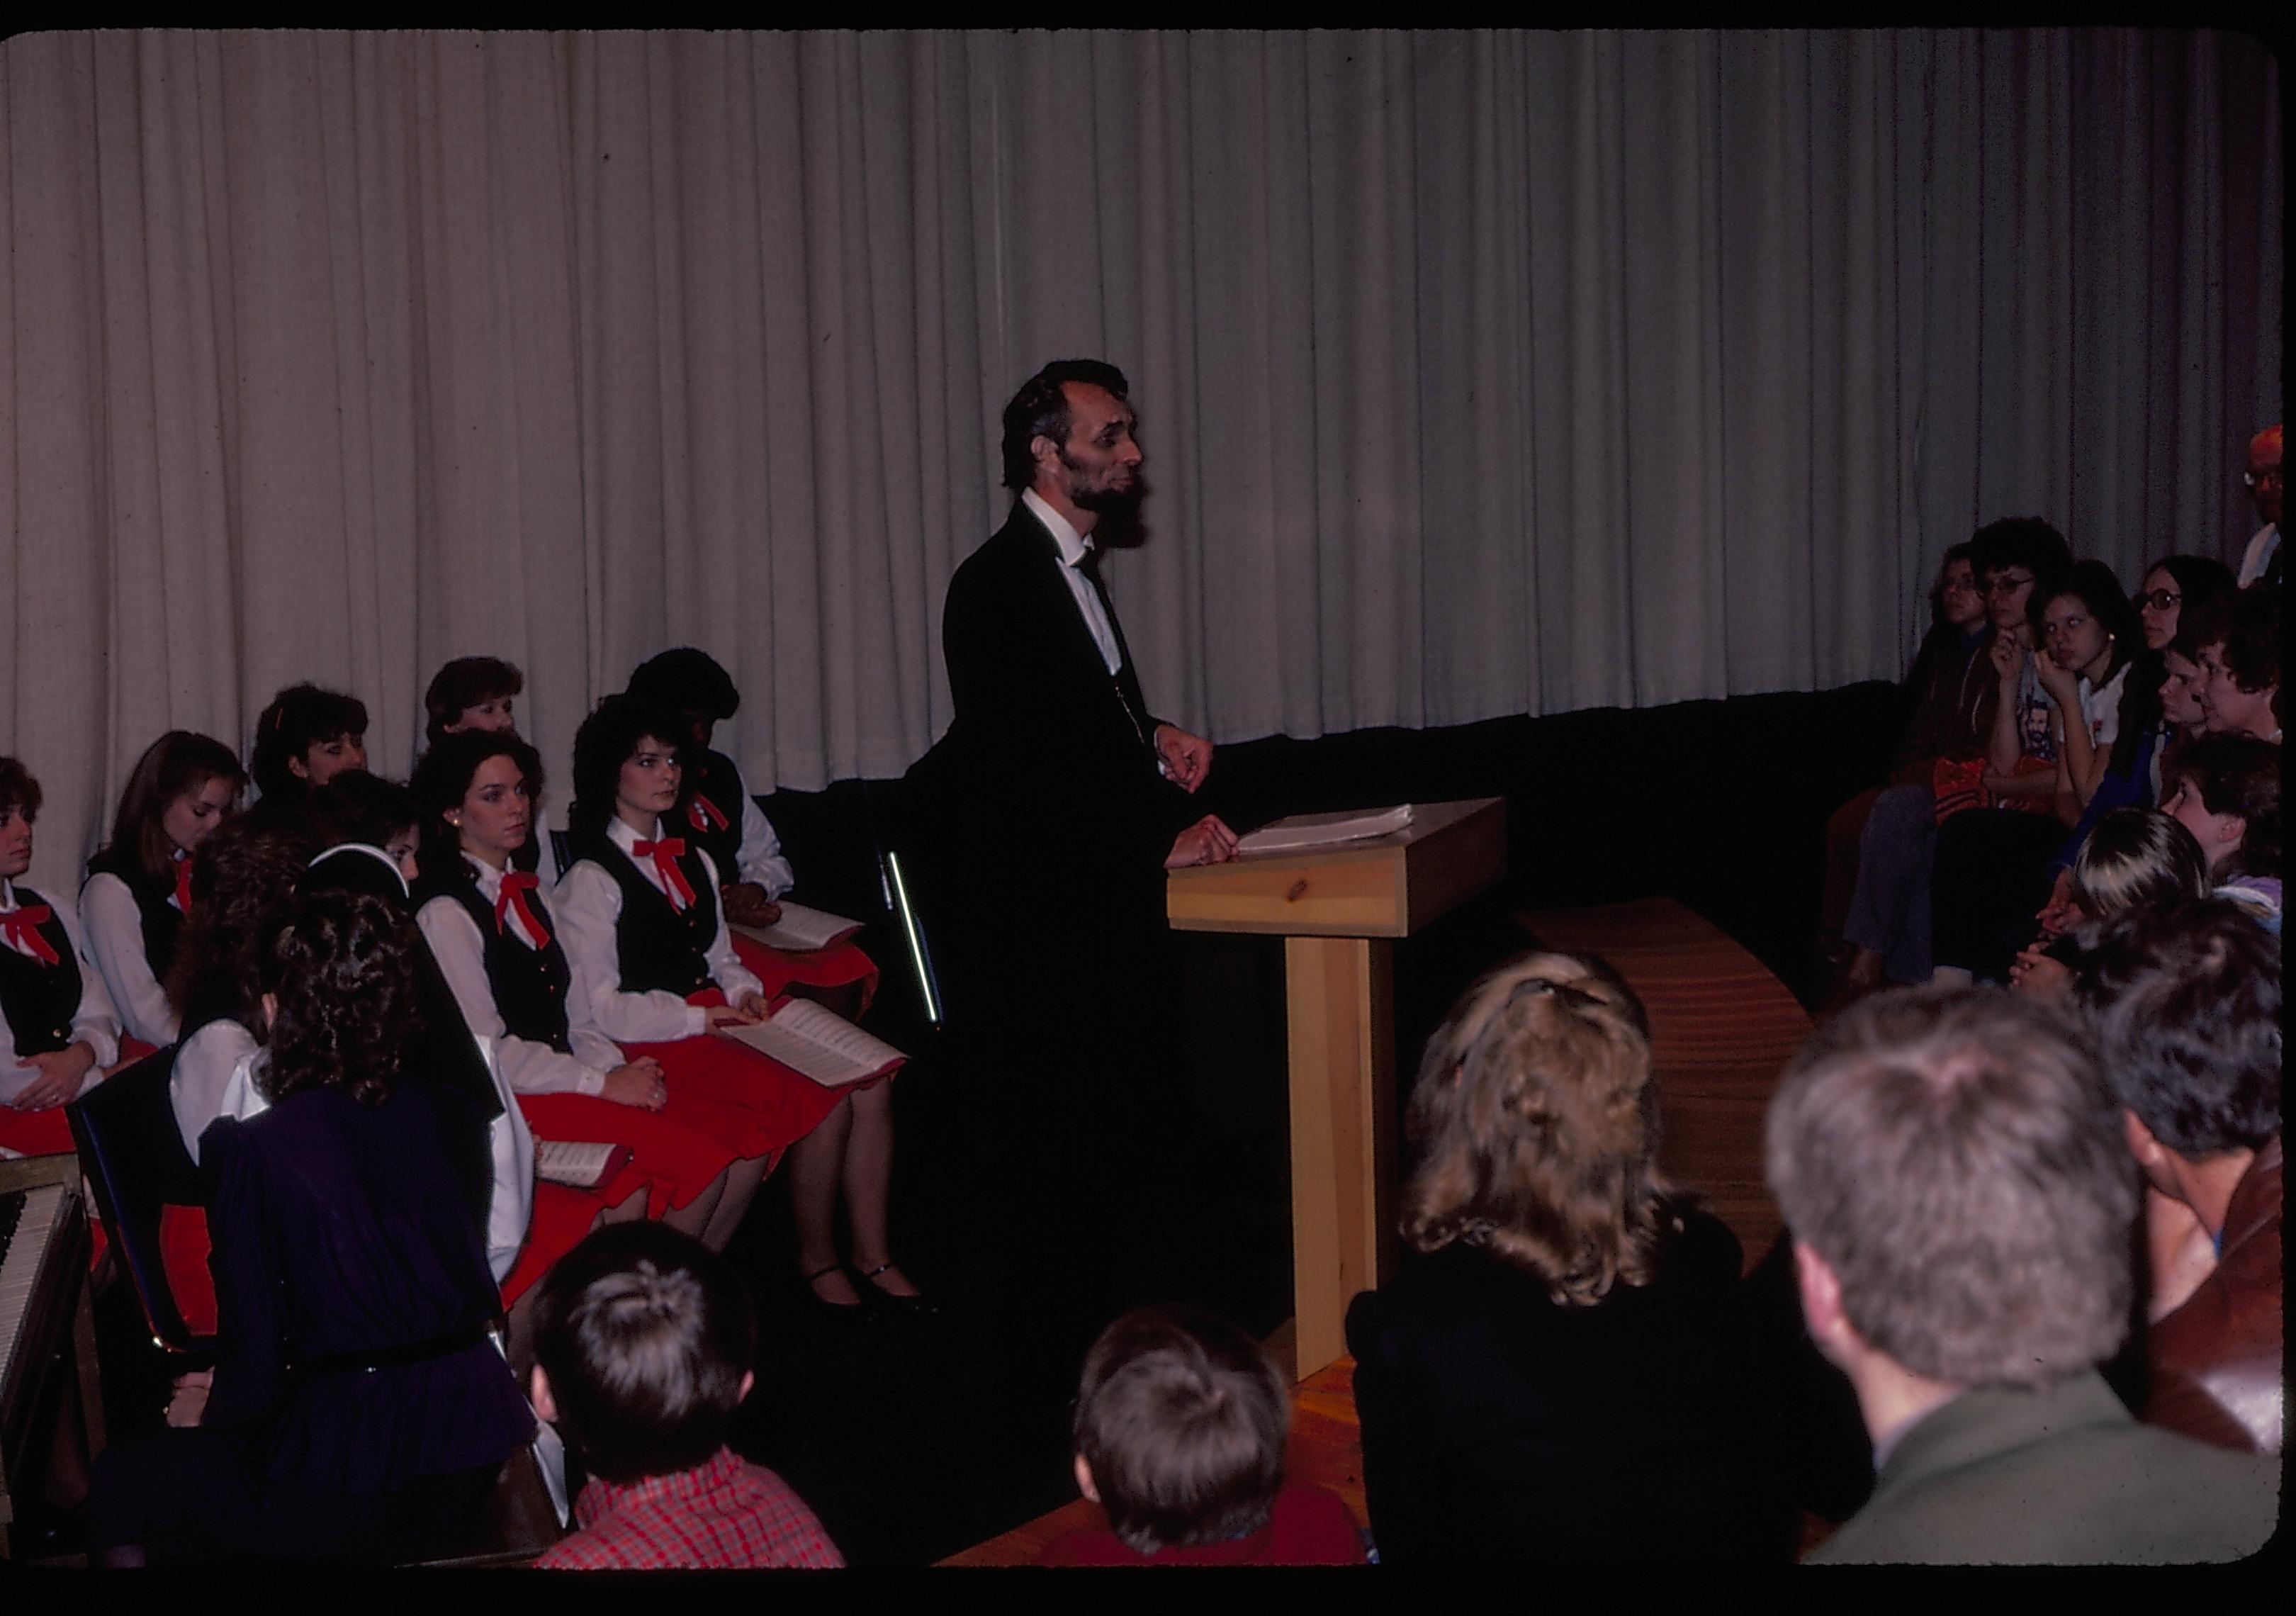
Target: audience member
{"points": [[642, 1346], [1180, 1428], [2261, 562], [1888, 924], [1959, 1193], [359, 1404], [2170, 586], [2186, 1003], [2227, 792], [2240, 682], [1568, 1372]]}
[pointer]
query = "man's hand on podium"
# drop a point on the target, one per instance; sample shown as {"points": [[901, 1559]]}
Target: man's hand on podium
{"points": [[1206, 842], [1185, 760]]}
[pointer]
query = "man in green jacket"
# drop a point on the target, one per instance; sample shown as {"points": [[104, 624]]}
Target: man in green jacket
{"points": [[1952, 1167]]}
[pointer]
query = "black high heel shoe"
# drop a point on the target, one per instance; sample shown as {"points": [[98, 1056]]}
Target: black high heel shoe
{"points": [[854, 1310], [918, 1306]]}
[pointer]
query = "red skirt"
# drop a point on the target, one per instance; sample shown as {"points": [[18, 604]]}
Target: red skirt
{"points": [[36, 1133], [831, 967], [561, 1217], [744, 1099], [676, 1153]]}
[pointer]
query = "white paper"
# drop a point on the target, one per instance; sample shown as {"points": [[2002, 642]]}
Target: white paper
{"points": [[565, 1161], [801, 930], [819, 1042], [1325, 830]]}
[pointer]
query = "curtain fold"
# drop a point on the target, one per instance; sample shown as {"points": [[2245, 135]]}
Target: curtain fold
{"points": [[1479, 373]]}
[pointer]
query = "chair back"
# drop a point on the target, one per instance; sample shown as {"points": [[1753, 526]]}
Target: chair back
{"points": [[133, 1154]]}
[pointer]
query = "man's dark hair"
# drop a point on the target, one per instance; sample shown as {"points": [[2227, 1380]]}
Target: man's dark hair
{"points": [[2185, 1005], [463, 683], [1182, 1418], [607, 740], [646, 1334], [2236, 775], [1040, 410], [688, 680], [2021, 541], [299, 718]]}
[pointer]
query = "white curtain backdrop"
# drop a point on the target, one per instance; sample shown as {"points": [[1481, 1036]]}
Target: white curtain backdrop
{"points": [[1480, 374]]}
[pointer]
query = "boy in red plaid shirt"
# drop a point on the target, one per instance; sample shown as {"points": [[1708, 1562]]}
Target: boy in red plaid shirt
{"points": [[642, 1343]]}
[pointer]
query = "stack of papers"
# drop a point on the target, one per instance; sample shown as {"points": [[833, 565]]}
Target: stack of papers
{"points": [[1303, 831]]}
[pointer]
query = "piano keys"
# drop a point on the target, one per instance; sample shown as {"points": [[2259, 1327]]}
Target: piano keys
{"points": [[46, 1325]]}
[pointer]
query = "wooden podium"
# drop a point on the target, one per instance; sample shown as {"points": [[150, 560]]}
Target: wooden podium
{"points": [[1338, 910]]}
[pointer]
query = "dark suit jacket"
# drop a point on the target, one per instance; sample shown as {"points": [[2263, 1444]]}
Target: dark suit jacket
{"points": [[1046, 788], [1497, 1424]]}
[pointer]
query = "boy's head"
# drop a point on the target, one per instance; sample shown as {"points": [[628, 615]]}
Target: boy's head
{"points": [[1180, 1423], [642, 1343]]}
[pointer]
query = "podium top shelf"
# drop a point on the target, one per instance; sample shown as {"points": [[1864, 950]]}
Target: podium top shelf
{"points": [[1385, 886]]}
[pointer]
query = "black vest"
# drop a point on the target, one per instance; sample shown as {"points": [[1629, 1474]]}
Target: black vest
{"points": [[163, 923], [715, 780], [659, 948], [529, 984], [40, 1000]]}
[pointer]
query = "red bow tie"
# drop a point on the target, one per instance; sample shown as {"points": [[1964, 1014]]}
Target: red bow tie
{"points": [[184, 883], [513, 899], [21, 928], [704, 815], [665, 854]]}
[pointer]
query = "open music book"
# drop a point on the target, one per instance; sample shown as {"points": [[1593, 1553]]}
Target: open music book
{"points": [[819, 1042], [800, 929], [581, 1167], [1303, 831]]}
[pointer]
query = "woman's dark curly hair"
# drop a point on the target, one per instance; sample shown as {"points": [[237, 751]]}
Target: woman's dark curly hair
{"points": [[443, 779], [341, 975], [242, 879], [607, 739]]}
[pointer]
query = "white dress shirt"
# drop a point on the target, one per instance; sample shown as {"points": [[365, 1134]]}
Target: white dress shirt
{"points": [[761, 858], [2259, 554], [93, 1023], [588, 903], [113, 923], [530, 1068], [1074, 547]]}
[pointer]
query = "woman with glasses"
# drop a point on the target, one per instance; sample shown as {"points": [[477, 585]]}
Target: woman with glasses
{"points": [[2171, 584]]}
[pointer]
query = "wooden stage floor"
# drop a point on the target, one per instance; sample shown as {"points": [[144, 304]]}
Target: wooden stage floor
{"points": [[1722, 1028]]}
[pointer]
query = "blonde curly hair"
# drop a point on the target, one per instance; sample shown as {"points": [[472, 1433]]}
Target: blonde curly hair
{"points": [[1536, 1124]]}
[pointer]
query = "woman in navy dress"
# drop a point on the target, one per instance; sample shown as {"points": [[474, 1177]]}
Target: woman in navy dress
{"points": [[359, 1402]]}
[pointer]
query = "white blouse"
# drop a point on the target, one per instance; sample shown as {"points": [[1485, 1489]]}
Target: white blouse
{"points": [[588, 903], [94, 1022]]}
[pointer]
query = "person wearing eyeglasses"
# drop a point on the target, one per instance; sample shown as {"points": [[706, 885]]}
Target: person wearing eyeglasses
{"points": [[2262, 477]]}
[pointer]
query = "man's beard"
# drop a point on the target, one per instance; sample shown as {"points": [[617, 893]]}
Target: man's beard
{"points": [[1102, 501]]}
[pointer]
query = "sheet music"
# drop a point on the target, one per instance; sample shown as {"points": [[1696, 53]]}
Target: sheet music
{"points": [[801, 930], [1302, 830], [819, 1042], [565, 1161]]}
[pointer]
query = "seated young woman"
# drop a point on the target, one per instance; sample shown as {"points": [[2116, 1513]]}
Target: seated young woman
{"points": [[653, 966], [305, 738], [139, 886], [851, 1153], [57, 1029], [1567, 1371], [1993, 867], [481, 694], [359, 1402], [719, 815], [496, 943]]}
